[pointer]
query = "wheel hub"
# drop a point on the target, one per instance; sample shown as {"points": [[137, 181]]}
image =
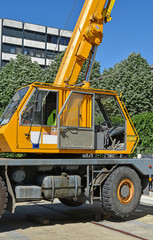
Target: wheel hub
{"points": [[125, 191]]}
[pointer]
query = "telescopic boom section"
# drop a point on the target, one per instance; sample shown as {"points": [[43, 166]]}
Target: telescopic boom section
{"points": [[86, 36]]}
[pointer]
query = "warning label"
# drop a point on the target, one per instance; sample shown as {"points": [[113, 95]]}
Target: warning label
{"points": [[54, 131], [46, 133]]}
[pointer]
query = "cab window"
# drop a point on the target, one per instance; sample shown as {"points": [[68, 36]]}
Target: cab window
{"points": [[40, 109]]}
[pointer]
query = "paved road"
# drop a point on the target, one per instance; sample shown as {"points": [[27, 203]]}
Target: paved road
{"points": [[58, 222]]}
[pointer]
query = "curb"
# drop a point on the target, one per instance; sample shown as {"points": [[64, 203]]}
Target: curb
{"points": [[147, 199]]}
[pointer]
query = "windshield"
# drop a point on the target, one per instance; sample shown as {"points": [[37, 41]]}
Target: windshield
{"points": [[12, 106]]}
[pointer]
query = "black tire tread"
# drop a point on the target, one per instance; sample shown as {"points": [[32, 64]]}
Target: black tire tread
{"points": [[3, 186], [107, 201]]}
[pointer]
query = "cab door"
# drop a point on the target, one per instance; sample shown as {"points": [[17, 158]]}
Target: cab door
{"points": [[75, 122], [37, 127]]}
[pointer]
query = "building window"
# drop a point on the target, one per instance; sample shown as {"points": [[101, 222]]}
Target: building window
{"points": [[51, 54], [64, 41], [29, 35], [40, 53], [34, 52], [29, 51], [12, 32], [7, 48], [52, 39], [34, 36], [18, 50], [40, 37], [12, 49]]}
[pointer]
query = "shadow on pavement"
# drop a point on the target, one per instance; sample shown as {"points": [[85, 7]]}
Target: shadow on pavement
{"points": [[57, 213]]}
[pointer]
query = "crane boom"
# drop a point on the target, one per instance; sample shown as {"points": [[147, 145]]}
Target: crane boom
{"points": [[87, 34]]}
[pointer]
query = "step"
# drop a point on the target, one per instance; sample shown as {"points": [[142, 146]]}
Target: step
{"points": [[96, 198], [96, 184], [99, 171]]}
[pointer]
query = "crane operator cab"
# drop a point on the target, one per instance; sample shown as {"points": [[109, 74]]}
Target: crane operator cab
{"points": [[109, 123], [42, 118]]}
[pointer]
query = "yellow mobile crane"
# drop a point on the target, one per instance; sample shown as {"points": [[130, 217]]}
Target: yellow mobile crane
{"points": [[56, 124], [65, 117]]}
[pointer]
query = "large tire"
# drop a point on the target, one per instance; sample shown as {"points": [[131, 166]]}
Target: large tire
{"points": [[70, 202], [3, 197], [121, 192]]}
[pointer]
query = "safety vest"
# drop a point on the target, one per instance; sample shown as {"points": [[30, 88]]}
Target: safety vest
{"points": [[52, 118]]}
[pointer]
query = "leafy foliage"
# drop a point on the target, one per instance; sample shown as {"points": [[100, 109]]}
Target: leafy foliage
{"points": [[134, 79], [16, 74], [52, 70], [144, 125], [94, 74]]}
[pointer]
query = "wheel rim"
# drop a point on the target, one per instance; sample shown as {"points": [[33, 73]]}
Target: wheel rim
{"points": [[125, 191]]}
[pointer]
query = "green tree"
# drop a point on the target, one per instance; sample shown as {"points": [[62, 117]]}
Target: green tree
{"points": [[17, 73], [144, 125], [134, 79], [95, 73], [51, 71]]}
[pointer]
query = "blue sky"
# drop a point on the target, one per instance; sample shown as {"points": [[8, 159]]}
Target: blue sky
{"points": [[131, 29]]}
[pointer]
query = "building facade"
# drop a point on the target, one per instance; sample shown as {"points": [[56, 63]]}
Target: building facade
{"points": [[40, 42]]}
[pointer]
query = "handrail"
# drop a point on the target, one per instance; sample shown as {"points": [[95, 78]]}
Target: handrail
{"points": [[134, 129]]}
